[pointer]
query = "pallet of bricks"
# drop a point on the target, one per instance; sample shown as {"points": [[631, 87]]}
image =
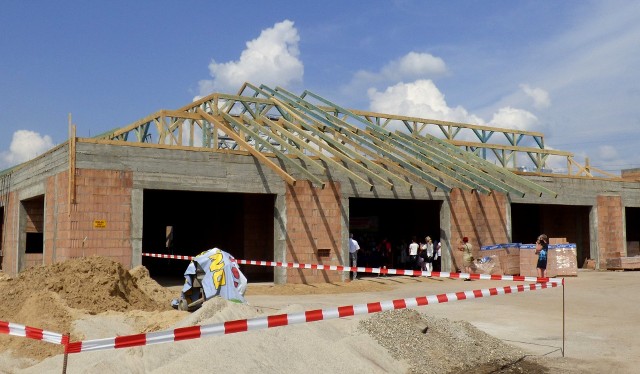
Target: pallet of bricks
{"points": [[521, 259], [507, 256]]}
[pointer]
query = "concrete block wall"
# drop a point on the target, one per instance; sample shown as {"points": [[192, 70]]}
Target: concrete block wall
{"points": [[313, 223], [610, 228], [481, 218]]}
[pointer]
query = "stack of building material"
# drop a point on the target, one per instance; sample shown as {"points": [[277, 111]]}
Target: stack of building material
{"points": [[624, 263], [508, 257], [528, 260], [563, 260], [516, 258]]}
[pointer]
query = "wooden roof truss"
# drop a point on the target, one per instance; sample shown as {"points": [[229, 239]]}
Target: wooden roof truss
{"points": [[314, 137]]}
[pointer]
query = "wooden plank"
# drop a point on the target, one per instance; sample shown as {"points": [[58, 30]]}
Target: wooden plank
{"points": [[302, 144], [343, 152], [256, 137], [262, 158]]}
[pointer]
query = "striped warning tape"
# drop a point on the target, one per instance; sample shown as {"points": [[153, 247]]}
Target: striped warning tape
{"points": [[261, 323], [16, 329], [417, 273]]}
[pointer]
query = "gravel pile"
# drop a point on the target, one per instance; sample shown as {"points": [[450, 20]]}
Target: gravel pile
{"points": [[437, 345]]}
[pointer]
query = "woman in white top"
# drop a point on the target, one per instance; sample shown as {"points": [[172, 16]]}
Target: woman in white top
{"points": [[427, 254]]}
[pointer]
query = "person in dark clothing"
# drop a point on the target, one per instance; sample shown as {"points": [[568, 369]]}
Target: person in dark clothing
{"points": [[542, 247]]}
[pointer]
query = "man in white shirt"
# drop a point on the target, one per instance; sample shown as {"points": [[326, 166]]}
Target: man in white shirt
{"points": [[353, 254], [413, 254]]}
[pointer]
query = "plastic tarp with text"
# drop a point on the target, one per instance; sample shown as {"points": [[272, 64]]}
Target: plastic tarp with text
{"points": [[216, 273]]}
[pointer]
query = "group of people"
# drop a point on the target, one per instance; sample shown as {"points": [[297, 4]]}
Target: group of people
{"points": [[366, 252], [427, 256]]}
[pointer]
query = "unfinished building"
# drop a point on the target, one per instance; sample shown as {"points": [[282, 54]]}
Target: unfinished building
{"points": [[270, 175]]}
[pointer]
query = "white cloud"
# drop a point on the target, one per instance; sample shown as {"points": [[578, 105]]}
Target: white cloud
{"points": [[418, 99], [272, 59], [540, 97], [410, 67], [25, 145], [423, 99], [513, 118]]}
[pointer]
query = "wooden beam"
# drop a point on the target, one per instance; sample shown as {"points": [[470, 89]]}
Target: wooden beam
{"points": [[351, 155], [258, 155], [510, 148], [341, 156], [302, 144], [256, 138]]}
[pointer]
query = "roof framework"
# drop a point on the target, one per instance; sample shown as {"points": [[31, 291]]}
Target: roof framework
{"points": [[310, 134]]}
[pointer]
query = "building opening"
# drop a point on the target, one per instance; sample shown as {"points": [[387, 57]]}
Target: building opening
{"points": [[32, 244], [1, 235], [398, 221], [632, 222], [188, 223], [557, 221]]}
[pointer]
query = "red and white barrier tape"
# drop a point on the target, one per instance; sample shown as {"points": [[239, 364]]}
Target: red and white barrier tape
{"points": [[16, 329], [418, 273], [261, 323]]}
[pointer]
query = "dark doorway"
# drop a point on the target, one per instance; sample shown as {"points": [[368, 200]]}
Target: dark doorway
{"points": [[32, 225], [35, 242], [1, 235], [557, 221], [372, 220], [632, 222], [188, 223]]}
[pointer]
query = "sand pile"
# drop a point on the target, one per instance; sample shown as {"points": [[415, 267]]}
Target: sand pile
{"points": [[52, 297]]}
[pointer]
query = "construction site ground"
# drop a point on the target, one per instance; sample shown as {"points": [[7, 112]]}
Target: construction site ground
{"points": [[95, 298], [601, 314]]}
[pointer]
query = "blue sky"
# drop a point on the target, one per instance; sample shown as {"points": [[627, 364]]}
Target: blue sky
{"points": [[566, 68]]}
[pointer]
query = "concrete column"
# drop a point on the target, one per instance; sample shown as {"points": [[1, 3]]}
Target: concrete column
{"points": [[507, 212], [344, 236], [21, 235], [593, 235], [280, 238], [445, 235], [137, 205]]}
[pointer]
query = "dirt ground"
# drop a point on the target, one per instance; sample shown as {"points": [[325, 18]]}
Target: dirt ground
{"points": [[94, 298]]}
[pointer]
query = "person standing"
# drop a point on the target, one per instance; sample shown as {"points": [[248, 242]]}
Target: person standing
{"points": [[467, 255], [413, 253], [437, 257], [542, 248], [427, 254], [353, 255]]}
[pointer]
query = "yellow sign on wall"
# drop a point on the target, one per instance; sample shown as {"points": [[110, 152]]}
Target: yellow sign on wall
{"points": [[99, 224]]}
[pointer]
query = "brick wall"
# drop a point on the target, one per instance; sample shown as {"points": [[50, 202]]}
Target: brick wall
{"points": [[481, 218], [101, 195], [313, 224], [9, 238], [610, 228], [32, 259], [632, 174], [35, 215]]}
